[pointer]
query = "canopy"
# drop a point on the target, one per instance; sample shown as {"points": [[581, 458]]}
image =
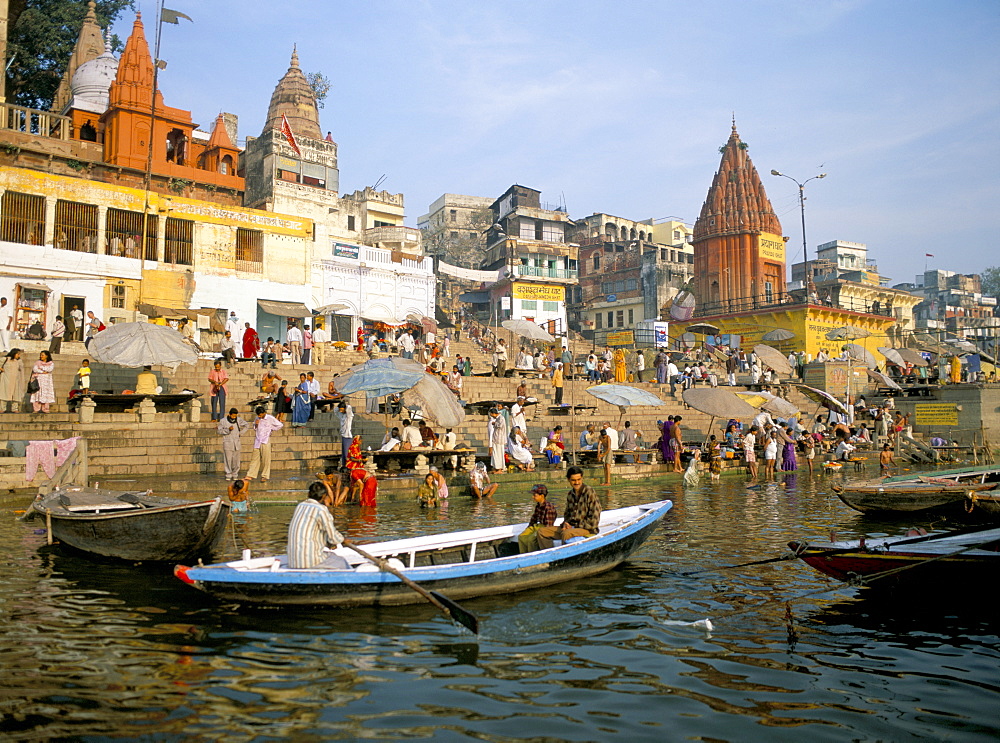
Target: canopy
{"points": [[39, 287], [327, 309], [860, 353], [778, 334], [773, 358], [825, 399], [624, 396], [382, 317], [284, 309], [718, 403], [528, 329], [703, 328], [141, 344], [847, 333], [770, 403]]}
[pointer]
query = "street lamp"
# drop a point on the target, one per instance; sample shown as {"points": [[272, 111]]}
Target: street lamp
{"points": [[802, 207]]}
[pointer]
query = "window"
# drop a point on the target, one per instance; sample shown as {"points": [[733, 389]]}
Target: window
{"points": [[454, 215], [630, 285], [454, 235], [550, 306], [226, 165], [530, 305], [178, 244], [76, 227], [631, 317], [621, 318], [22, 218], [598, 318], [350, 223], [176, 146], [380, 223], [611, 319], [249, 250], [552, 232], [664, 254], [473, 235], [597, 262], [124, 234], [619, 286], [527, 230], [313, 174], [118, 296]]}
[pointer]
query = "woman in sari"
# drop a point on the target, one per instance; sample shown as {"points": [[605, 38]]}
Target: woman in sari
{"points": [[621, 374], [667, 440], [301, 403], [42, 373], [787, 442], [251, 342]]}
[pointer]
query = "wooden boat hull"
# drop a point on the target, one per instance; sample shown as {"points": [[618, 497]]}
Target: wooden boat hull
{"points": [[947, 558], [956, 500], [458, 579], [163, 530]]}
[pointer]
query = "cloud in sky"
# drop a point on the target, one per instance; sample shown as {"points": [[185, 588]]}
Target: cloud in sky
{"points": [[621, 107]]}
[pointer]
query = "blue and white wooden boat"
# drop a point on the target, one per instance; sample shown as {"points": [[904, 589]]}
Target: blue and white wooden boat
{"points": [[460, 564]]}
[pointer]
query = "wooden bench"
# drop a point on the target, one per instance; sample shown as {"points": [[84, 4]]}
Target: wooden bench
{"points": [[565, 409], [120, 403]]}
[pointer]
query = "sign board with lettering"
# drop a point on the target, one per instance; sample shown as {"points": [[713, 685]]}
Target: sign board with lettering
{"points": [[935, 414], [612, 297], [544, 292], [620, 338], [346, 250], [771, 247]]}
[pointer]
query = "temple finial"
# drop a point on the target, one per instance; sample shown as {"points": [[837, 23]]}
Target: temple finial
{"points": [[295, 55]]}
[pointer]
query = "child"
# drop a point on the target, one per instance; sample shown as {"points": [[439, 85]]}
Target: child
{"points": [[239, 492], [714, 457], [84, 374], [427, 494], [809, 449], [543, 515], [885, 460]]}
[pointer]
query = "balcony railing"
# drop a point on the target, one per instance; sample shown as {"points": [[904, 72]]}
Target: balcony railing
{"points": [[394, 234], [547, 273], [32, 121], [783, 299]]}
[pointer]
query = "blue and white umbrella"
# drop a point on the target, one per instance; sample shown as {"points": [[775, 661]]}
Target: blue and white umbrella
{"points": [[624, 396], [380, 377]]}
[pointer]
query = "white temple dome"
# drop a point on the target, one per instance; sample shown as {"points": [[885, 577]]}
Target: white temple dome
{"points": [[92, 81]]}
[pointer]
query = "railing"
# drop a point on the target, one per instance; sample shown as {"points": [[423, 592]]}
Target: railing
{"points": [[32, 121], [784, 299], [547, 273], [394, 234]]}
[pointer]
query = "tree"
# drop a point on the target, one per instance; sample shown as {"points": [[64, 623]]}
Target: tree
{"points": [[321, 85], [40, 40], [466, 247], [990, 278]]}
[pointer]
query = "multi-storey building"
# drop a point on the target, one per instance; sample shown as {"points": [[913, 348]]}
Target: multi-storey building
{"points": [[953, 305]]}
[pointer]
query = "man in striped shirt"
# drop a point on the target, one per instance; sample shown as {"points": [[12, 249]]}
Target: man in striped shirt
{"points": [[311, 529]]}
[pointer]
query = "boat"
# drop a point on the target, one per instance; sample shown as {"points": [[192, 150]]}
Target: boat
{"points": [[462, 564], [133, 526], [966, 492], [955, 557]]}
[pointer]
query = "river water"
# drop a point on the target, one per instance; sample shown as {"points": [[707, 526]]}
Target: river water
{"points": [[101, 651]]}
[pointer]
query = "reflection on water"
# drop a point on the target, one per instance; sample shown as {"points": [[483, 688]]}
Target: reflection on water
{"points": [[100, 649]]}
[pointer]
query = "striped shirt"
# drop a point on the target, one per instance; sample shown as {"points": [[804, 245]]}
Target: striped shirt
{"points": [[310, 530]]}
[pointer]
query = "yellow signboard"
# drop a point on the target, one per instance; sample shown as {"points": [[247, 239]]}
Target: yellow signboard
{"points": [[935, 414], [544, 292], [771, 247], [620, 338]]}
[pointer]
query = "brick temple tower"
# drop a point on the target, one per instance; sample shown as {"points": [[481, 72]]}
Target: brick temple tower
{"points": [[739, 253]]}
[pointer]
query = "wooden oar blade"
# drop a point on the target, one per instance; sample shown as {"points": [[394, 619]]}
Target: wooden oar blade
{"points": [[464, 617]]}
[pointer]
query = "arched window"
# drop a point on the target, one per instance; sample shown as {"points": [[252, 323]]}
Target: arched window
{"points": [[226, 165], [175, 146]]}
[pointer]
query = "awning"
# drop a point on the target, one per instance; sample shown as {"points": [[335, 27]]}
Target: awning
{"points": [[284, 309], [475, 297], [154, 310], [327, 309], [40, 287]]}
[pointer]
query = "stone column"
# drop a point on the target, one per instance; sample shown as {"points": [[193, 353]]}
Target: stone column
{"points": [[85, 410], [194, 410], [50, 221], [147, 410]]}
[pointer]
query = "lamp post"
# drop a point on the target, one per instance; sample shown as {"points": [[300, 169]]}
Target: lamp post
{"points": [[802, 206]]}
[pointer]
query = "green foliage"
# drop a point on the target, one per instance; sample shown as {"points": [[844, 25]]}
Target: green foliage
{"points": [[41, 37], [179, 185], [990, 278], [321, 85]]}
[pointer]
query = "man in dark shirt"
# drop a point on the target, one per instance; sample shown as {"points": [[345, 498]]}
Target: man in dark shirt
{"points": [[544, 515], [581, 517]]}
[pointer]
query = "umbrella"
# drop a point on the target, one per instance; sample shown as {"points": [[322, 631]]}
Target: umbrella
{"points": [[911, 355], [686, 341], [528, 329], [824, 398], [380, 377], [847, 333], [428, 324], [718, 403], [860, 353], [883, 379], [892, 356], [778, 334], [703, 328], [326, 309], [771, 403], [773, 358], [141, 344], [624, 396], [682, 308]]}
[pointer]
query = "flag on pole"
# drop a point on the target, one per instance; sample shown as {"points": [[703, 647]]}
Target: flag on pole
{"points": [[287, 131], [929, 255], [170, 16]]}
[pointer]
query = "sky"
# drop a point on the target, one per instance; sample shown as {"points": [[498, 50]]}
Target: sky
{"points": [[621, 107]]}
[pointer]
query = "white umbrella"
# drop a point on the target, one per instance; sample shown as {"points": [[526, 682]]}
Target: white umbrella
{"points": [[326, 309], [773, 358], [528, 329], [892, 356], [847, 333], [860, 353], [141, 344]]}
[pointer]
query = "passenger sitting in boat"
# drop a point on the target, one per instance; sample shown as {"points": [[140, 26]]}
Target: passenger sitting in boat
{"points": [[582, 515], [311, 529], [544, 515]]}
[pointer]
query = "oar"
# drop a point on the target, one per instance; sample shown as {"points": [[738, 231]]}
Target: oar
{"points": [[448, 607]]}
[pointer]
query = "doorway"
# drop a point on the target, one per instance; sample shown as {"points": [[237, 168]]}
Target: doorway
{"points": [[73, 319]]}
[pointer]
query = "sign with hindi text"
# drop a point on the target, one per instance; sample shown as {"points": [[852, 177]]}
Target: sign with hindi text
{"points": [[935, 414], [544, 292], [771, 247]]}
